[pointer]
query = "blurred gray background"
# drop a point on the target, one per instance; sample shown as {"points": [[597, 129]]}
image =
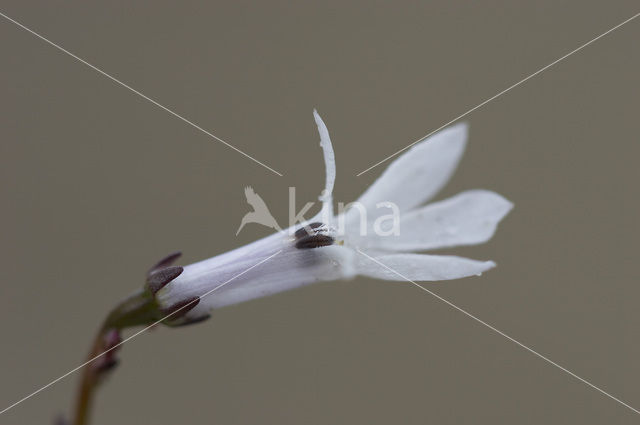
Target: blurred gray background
{"points": [[97, 184]]}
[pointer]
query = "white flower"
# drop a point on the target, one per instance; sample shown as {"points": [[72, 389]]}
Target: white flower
{"points": [[335, 247]]}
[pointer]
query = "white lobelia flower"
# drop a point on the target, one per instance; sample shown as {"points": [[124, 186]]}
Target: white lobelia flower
{"points": [[331, 247]]}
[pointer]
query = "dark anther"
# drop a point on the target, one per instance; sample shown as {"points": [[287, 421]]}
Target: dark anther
{"points": [[307, 230], [314, 241], [159, 278], [165, 262], [179, 309], [313, 235]]}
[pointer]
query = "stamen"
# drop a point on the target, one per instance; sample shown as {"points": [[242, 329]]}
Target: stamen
{"points": [[314, 241], [313, 235], [308, 229]]}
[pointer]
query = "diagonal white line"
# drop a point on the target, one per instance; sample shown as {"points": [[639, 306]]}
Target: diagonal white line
{"points": [[501, 93], [499, 332], [142, 95], [134, 335]]}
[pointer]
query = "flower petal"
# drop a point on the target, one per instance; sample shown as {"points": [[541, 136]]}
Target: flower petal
{"points": [[289, 270], [419, 267], [468, 218], [418, 174], [265, 267]]}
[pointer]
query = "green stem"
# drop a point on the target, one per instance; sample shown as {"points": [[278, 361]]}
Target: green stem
{"points": [[137, 310]]}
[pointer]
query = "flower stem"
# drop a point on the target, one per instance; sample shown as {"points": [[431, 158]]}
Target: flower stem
{"points": [[136, 310], [88, 384]]}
